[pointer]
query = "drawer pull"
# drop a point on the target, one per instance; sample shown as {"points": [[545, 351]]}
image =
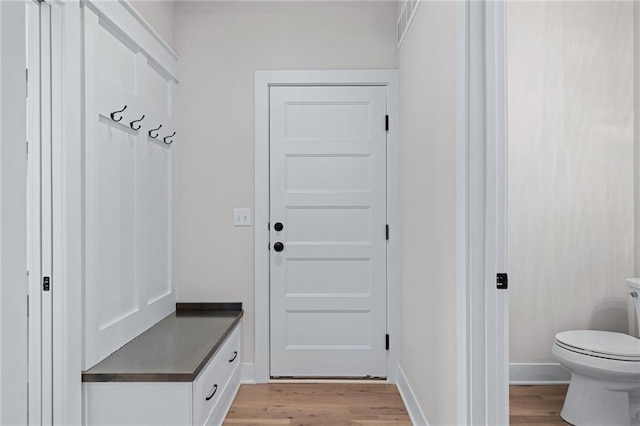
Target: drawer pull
{"points": [[215, 389], [235, 355]]}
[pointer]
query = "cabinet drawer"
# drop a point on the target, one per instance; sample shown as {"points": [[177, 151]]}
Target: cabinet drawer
{"points": [[212, 380], [232, 354]]}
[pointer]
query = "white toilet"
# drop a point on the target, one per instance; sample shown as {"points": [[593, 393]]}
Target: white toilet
{"points": [[605, 373]]}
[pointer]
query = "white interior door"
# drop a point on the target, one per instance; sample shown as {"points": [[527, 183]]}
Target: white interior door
{"points": [[328, 258]]}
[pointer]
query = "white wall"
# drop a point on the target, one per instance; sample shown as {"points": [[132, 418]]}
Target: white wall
{"points": [[159, 14], [427, 62], [220, 45], [571, 215], [13, 225]]}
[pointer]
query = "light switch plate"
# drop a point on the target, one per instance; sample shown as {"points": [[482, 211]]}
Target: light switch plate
{"points": [[242, 217]]}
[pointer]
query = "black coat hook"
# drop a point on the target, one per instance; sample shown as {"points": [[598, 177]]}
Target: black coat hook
{"points": [[154, 130], [167, 137], [113, 114], [135, 121]]}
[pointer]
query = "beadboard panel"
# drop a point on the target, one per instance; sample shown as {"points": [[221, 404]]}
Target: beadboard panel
{"points": [[128, 181]]}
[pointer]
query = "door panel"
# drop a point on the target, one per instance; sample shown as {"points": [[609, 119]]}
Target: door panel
{"points": [[348, 174], [110, 197], [328, 225], [328, 189], [328, 277], [303, 332]]}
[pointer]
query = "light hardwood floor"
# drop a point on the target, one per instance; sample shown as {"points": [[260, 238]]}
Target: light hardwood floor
{"points": [[312, 404], [368, 405], [536, 405]]}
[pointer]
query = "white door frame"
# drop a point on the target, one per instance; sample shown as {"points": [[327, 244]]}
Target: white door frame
{"points": [[483, 397], [39, 211], [55, 172], [13, 215], [67, 172], [263, 80]]}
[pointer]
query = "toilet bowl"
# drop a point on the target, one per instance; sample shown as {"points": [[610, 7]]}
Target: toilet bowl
{"points": [[605, 374]]}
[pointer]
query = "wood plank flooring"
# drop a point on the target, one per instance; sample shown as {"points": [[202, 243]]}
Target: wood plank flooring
{"points": [[536, 405], [311, 404]]}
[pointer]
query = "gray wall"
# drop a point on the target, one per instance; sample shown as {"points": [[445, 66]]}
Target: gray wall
{"points": [[220, 45], [159, 14], [571, 213], [427, 62]]}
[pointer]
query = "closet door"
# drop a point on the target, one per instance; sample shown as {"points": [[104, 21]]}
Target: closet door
{"points": [[128, 189]]}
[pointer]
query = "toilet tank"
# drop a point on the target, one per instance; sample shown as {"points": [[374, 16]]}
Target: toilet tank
{"points": [[634, 286]]}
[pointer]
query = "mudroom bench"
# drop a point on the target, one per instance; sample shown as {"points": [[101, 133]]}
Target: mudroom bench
{"points": [[182, 371]]}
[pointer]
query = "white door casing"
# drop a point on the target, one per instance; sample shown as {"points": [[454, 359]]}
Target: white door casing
{"points": [[42, 21], [497, 211], [328, 191], [66, 209], [264, 80], [47, 279], [53, 245], [483, 394], [33, 210]]}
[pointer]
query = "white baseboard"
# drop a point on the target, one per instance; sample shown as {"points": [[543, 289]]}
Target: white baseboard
{"points": [[550, 373], [248, 373], [410, 402]]}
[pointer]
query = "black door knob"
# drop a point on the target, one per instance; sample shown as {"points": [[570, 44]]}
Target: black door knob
{"points": [[278, 226], [278, 246]]}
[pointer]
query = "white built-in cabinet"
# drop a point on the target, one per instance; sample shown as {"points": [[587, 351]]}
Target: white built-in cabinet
{"points": [[129, 151], [204, 401], [128, 178]]}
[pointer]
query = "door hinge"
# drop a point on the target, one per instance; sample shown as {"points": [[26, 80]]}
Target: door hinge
{"points": [[386, 342], [386, 231], [46, 283], [502, 281], [386, 123]]}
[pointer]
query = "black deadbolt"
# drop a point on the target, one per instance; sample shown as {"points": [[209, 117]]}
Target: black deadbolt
{"points": [[278, 246], [278, 226]]}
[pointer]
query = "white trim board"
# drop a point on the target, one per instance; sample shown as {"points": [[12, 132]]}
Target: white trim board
{"points": [[147, 26], [550, 373], [263, 80], [410, 401], [64, 209], [67, 213], [248, 373], [138, 32], [481, 174]]}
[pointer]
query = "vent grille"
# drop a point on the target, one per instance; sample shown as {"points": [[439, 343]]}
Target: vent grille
{"points": [[409, 8]]}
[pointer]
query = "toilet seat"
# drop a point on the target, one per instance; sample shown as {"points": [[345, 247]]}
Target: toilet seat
{"points": [[601, 344]]}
